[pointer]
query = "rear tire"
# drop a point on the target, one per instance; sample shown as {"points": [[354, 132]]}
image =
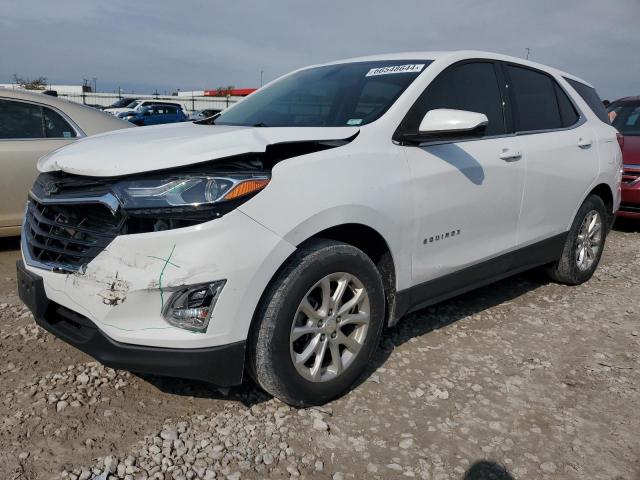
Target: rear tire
{"points": [[318, 324], [584, 244]]}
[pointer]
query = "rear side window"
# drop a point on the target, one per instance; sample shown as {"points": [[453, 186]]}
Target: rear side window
{"points": [[591, 97], [534, 98], [20, 120], [470, 86], [568, 112], [55, 126], [23, 120]]}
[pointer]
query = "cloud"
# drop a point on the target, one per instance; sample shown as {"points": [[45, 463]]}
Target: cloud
{"points": [[148, 44]]}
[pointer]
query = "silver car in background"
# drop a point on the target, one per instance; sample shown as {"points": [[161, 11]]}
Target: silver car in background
{"points": [[32, 125]]}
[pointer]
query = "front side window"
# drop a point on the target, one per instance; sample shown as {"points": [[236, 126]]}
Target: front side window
{"points": [[349, 94], [20, 120], [534, 100], [470, 86]]}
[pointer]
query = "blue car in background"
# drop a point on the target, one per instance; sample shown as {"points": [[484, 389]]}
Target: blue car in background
{"points": [[155, 115]]}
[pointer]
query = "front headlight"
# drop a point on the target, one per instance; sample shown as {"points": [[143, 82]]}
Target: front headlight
{"points": [[187, 190]]}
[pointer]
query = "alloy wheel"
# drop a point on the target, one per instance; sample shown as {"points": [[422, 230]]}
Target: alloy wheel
{"points": [[589, 241], [330, 327]]}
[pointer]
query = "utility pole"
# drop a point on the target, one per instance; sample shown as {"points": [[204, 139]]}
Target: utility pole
{"points": [[528, 52], [84, 84], [261, 75], [95, 84]]}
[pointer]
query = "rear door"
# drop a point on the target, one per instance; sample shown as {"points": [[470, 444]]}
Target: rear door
{"points": [[27, 132], [467, 192], [171, 114], [560, 150]]}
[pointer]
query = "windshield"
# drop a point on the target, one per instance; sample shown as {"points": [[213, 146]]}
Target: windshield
{"points": [[123, 102], [626, 117], [134, 104], [349, 94]]}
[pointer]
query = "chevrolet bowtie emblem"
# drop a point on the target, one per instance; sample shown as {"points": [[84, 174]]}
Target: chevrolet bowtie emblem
{"points": [[50, 188]]}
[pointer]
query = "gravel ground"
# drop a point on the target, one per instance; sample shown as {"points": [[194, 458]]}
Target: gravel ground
{"points": [[521, 379]]}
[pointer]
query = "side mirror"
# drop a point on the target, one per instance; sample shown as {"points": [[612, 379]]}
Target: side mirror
{"points": [[449, 121]]}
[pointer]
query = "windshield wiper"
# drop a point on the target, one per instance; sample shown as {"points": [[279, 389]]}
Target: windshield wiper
{"points": [[260, 124]]}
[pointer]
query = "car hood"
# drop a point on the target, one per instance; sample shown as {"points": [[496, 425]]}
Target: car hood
{"points": [[144, 149], [631, 150]]}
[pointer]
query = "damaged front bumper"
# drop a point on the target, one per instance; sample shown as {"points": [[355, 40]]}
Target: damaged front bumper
{"points": [[222, 365], [118, 300]]}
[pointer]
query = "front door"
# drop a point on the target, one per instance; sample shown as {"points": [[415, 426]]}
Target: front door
{"points": [[467, 193]]}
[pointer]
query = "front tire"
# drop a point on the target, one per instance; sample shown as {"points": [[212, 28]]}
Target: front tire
{"points": [[318, 324], [584, 244]]}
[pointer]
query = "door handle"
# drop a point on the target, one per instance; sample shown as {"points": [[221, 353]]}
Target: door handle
{"points": [[584, 142], [509, 155]]}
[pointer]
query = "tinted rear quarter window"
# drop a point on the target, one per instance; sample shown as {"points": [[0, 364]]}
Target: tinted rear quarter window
{"points": [[20, 120], [469, 86], [534, 98], [55, 126], [568, 112], [591, 97]]}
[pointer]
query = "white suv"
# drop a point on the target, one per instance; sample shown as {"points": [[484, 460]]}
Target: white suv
{"points": [[283, 234], [138, 105]]}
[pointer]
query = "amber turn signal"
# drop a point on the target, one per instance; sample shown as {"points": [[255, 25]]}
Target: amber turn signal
{"points": [[245, 188]]}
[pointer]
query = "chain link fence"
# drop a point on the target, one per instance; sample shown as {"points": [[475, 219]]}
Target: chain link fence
{"points": [[189, 104]]}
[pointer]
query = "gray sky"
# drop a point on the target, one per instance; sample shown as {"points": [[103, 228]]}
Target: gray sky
{"points": [[195, 44]]}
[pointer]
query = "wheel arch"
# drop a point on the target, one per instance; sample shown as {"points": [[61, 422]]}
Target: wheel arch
{"points": [[361, 236], [374, 245], [603, 191]]}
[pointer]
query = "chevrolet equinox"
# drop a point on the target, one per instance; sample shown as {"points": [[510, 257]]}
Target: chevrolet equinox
{"points": [[280, 236]]}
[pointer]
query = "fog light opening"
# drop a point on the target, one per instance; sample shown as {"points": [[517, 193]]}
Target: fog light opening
{"points": [[190, 308]]}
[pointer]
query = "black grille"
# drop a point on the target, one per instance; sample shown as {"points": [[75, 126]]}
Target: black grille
{"points": [[68, 236]]}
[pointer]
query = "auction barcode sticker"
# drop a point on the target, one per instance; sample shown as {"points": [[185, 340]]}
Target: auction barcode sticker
{"points": [[409, 68]]}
